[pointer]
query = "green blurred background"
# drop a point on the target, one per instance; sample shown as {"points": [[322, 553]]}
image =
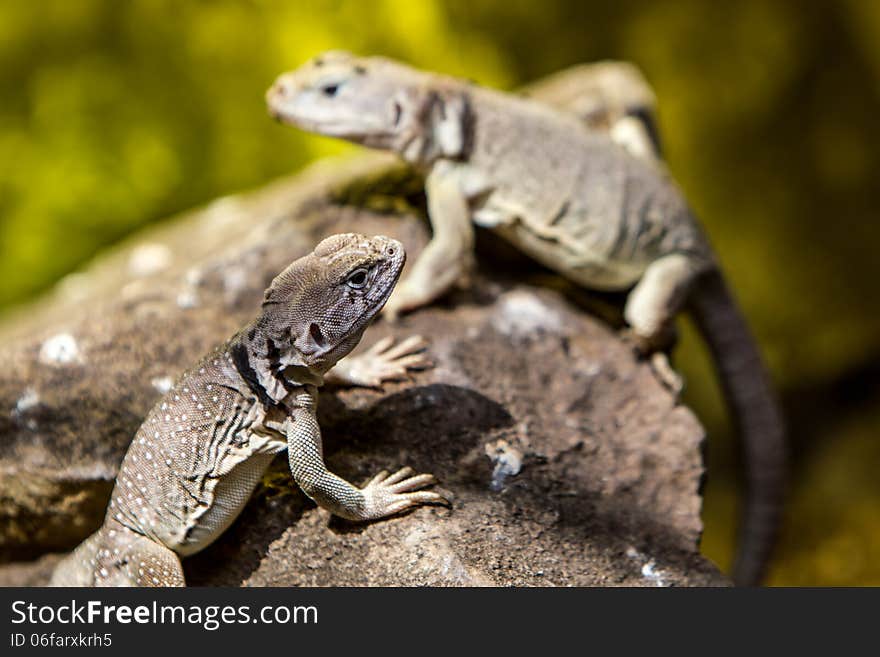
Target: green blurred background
{"points": [[117, 114]]}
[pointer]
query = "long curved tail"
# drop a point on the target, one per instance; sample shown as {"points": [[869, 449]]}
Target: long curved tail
{"points": [[758, 419]]}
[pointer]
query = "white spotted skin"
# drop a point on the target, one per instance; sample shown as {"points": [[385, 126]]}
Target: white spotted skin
{"points": [[206, 430], [190, 469]]}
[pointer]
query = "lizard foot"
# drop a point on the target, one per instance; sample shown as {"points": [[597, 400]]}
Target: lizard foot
{"points": [[384, 361], [656, 349], [387, 494], [664, 371]]}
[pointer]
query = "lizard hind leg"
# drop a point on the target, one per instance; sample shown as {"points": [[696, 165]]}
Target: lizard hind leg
{"points": [[659, 295], [117, 556], [131, 559], [78, 567], [651, 309]]}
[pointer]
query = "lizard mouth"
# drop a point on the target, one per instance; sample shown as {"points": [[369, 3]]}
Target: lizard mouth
{"points": [[383, 294], [317, 336], [355, 128], [394, 266]]}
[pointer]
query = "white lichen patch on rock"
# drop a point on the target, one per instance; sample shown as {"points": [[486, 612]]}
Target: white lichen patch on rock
{"points": [[162, 383], [60, 349], [148, 259], [651, 572], [194, 276], [27, 401], [522, 313], [507, 461], [648, 568], [187, 299]]}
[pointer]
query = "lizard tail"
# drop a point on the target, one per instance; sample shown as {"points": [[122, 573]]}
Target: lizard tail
{"points": [[758, 419]]}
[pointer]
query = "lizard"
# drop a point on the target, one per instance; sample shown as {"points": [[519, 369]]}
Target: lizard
{"points": [[204, 446], [576, 200]]}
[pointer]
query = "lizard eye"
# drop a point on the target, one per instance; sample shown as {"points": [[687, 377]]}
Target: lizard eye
{"points": [[357, 279], [330, 90]]}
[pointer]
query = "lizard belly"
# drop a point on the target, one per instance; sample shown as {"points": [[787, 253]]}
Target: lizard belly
{"points": [[227, 500], [579, 261], [227, 490]]}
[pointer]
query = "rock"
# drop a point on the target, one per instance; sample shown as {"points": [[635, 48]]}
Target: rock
{"points": [[568, 461]]}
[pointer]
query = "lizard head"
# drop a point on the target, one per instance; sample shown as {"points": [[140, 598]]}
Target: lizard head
{"points": [[316, 310], [375, 102]]}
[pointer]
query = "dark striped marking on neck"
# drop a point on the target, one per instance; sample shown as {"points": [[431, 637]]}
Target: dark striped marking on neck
{"points": [[241, 360]]}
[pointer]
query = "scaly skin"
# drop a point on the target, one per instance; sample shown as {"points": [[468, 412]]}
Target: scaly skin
{"points": [[202, 449], [595, 205]]}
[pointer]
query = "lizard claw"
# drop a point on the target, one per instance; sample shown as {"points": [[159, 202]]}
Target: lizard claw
{"points": [[664, 371], [654, 350], [387, 495], [385, 361]]}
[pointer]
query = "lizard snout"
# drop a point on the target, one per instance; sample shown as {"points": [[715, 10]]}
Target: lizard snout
{"points": [[281, 90], [391, 248]]}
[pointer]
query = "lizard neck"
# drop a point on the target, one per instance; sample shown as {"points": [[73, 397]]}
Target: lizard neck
{"points": [[440, 126], [417, 148], [270, 373]]}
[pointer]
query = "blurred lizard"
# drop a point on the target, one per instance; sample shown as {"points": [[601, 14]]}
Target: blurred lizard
{"points": [[202, 449], [578, 200]]}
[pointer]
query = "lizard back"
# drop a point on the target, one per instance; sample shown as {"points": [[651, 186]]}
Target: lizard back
{"points": [[571, 196]]}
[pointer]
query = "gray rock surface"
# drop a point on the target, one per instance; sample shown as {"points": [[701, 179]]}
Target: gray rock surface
{"points": [[568, 461]]}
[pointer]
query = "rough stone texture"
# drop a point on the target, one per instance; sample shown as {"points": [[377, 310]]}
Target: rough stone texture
{"points": [[569, 462]]}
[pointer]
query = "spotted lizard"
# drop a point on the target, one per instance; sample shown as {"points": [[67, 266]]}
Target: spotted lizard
{"points": [[204, 446]]}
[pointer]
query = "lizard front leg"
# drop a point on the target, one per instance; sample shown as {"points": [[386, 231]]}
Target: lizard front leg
{"points": [[449, 254], [384, 361], [383, 496]]}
